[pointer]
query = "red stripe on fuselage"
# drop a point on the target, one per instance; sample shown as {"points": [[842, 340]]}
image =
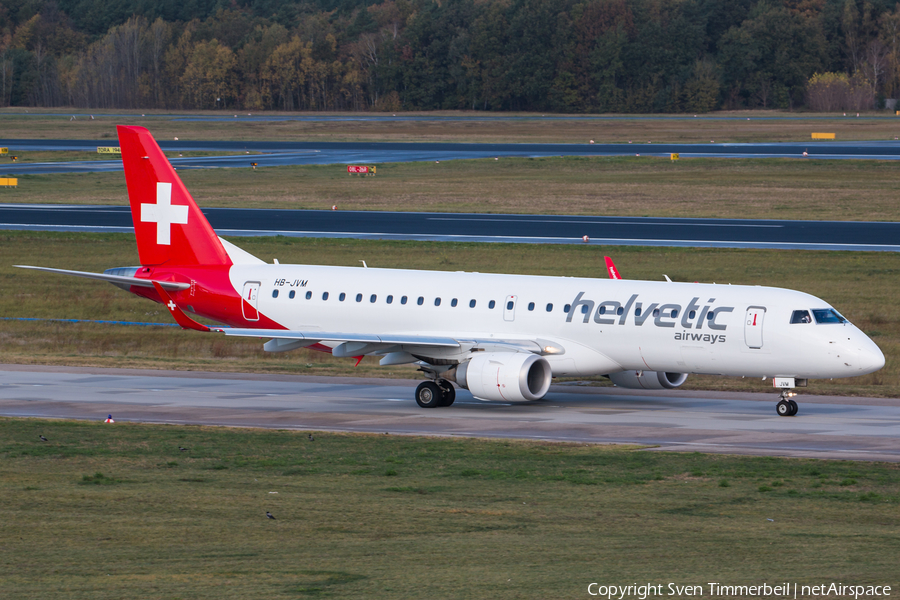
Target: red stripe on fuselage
{"points": [[211, 294]]}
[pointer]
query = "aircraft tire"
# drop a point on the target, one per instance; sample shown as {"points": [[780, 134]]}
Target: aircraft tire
{"points": [[449, 394], [794, 407], [783, 408], [429, 395]]}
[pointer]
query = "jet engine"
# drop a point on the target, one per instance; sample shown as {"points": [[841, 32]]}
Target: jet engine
{"points": [[505, 376], [647, 380]]}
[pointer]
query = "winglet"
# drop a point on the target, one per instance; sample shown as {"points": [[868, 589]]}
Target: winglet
{"points": [[613, 272], [182, 319]]}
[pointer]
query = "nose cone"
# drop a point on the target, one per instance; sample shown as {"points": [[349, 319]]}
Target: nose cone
{"points": [[870, 357]]}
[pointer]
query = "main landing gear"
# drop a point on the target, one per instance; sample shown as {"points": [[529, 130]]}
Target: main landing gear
{"points": [[786, 407], [431, 394]]}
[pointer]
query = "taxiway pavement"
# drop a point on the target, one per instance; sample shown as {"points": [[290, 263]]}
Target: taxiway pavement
{"points": [[279, 154], [466, 227], [732, 423]]}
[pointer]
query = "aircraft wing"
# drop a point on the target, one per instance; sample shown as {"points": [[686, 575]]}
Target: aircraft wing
{"points": [[320, 336], [168, 285], [356, 344]]}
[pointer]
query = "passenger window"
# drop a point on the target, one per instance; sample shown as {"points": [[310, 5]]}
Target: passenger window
{"points": [[324, 295], [389, 299], [342, 297], [674, 313], [308, 295], [420, 301], [373, 298], [403, 300], [655, 312], [620, 310], [471, 304], [359, 297], [437, 301], [550, 307], [637, 311], [274, 293], [584, 309], [711, 315], [292, 294], [492, 304], [567, 308], [531, 306], [828, 315], [454, 302], [601, 310], [692, 314], [800, 316]]}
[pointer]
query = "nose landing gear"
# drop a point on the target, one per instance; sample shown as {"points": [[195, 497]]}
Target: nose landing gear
{"points": [[786, 407]]}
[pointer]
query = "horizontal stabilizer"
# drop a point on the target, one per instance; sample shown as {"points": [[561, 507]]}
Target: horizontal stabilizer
{"points": [[147, 283]]}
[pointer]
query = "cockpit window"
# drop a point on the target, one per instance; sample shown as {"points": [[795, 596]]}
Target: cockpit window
{"points": [[800, 316], [828, 315]]}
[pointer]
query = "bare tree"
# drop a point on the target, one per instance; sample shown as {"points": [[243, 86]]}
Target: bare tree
{"points": [[876, 62], [157, 40], [850, 26], [7, 71]]}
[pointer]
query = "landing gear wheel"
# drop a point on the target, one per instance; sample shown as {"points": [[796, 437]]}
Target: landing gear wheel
{"points": [[449, 393], [794, 408], [429, 395], [783, 408]]}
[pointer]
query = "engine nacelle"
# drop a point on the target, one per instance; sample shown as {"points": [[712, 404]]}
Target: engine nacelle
{"points": [[505, 376], [648, 380]]}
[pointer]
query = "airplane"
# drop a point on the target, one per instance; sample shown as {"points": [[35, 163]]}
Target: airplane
{"points": [[502, 337]]}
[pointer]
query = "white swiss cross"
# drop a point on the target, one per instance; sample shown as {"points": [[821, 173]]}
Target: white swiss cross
{"points": [[172, 306], [164, 214]]}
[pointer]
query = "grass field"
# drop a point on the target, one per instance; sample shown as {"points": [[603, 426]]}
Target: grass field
{"points": [[746, 126], [861, 285], [118, 511], [627, 186]]}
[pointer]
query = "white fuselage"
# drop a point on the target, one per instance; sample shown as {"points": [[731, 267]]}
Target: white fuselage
{"points": [[717, 329]]}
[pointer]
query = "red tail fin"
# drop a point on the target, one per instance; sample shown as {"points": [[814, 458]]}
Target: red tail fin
{"points": [[168, 225]]}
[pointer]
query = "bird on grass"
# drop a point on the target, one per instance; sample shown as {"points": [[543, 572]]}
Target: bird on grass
{"points": [[43, 439], [182, 449], [311, 438], [269, 515]]}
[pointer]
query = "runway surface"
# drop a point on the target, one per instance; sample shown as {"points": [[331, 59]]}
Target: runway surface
{"points": [[318, 153], [543, 229], [733, 423]]}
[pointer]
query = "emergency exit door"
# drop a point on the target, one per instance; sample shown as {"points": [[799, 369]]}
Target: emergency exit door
{"points": [[250, 299], [753, 326], [509, 309]]}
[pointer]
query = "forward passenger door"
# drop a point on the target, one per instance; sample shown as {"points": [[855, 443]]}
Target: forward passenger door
{"points": [[753, 326]]}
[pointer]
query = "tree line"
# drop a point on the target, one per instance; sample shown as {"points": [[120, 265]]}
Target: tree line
{"points": [[636, 56]]}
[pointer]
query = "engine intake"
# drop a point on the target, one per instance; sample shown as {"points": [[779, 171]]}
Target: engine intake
{"points": [[506, 376], [648, 380]]}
